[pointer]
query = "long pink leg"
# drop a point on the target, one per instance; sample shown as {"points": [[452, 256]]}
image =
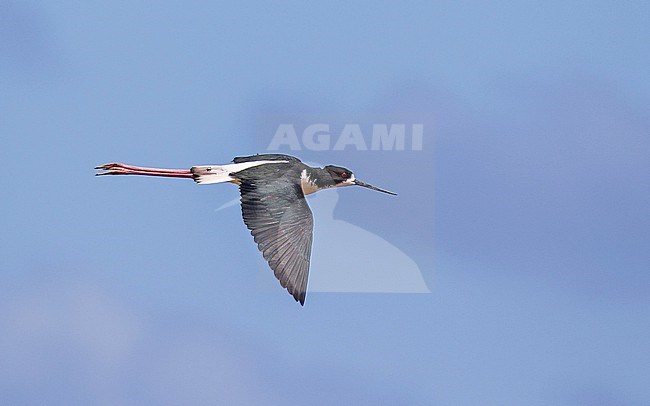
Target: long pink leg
{"points": [[122, 169]]}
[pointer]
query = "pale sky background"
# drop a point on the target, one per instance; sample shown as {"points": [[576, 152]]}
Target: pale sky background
{"points": [[527, 211]]}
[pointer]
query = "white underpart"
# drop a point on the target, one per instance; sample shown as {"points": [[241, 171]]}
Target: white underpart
{"points": [[207, 174], [307, 184]]}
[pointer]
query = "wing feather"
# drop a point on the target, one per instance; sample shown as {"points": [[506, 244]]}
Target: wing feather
{"points": [[279, 219]]}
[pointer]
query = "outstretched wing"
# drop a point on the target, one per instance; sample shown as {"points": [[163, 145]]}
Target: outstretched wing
{"points": [[276, 212]]}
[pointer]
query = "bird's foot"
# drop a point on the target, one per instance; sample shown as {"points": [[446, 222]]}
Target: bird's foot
{"points": [[113, 168]]}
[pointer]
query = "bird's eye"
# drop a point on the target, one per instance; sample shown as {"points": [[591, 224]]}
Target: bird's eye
{"points": [[344, 174]]}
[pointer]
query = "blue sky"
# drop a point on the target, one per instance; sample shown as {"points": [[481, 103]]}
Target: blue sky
{"points": [[526, 210]]}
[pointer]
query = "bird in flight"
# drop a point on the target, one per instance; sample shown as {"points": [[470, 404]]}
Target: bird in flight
{"points": [[273, 189]]}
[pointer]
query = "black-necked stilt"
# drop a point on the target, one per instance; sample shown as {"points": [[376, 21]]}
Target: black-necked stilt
{"points": [[273, 189]]}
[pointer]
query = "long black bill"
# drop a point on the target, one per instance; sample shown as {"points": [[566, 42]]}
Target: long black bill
{"points": [[364, 184]]}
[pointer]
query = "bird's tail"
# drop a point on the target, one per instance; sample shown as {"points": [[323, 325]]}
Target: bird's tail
{"points": [[208, 174]]}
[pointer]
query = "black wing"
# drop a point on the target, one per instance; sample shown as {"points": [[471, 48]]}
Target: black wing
{"points": [[265, 157], [276, 212]]}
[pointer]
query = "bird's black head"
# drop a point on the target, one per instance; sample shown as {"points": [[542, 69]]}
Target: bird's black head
{"points": [[344, 177], [340, 176]]}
